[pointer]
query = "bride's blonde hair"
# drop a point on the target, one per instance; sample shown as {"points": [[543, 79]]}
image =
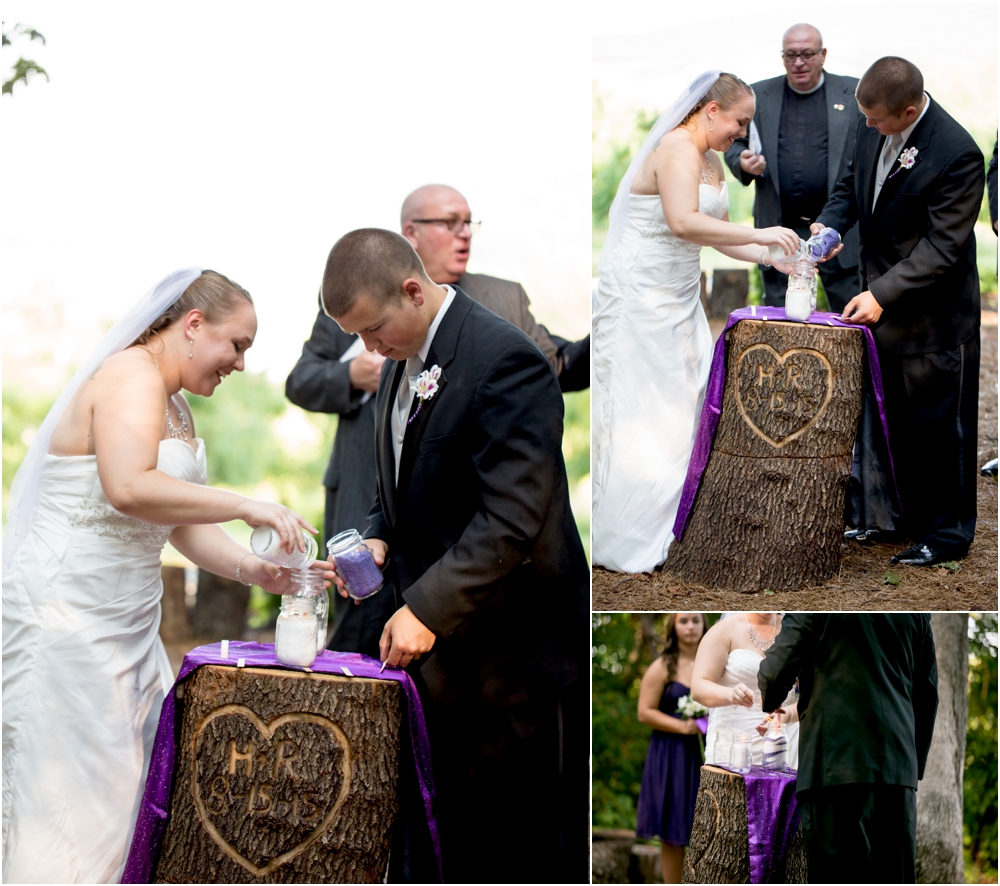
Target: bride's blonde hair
{"points": [[211, 293], [726, 91]]}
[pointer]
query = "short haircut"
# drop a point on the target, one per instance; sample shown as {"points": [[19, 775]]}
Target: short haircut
{"points": [[892, 83], [368, 262]]}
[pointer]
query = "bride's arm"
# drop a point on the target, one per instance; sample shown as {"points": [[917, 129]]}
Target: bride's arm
{"points": [[213, 549], [677, 171], [654, 681], [709, 665], [128, 414]]}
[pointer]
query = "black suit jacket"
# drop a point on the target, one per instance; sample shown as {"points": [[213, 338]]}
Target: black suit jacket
{"points": [[483, 543], [918, 249], [868, 695], [842, 116]]}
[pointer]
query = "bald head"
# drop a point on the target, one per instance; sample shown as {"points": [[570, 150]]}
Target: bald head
{"points": [[801, 40], [424, 221]]}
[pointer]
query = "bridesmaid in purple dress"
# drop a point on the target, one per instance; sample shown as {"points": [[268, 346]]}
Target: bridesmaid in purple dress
{"points": [[673, 762]]}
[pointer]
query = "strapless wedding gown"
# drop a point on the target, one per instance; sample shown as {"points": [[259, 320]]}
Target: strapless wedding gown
{"points": [[741, 667], [84, 674], [652, 351]]}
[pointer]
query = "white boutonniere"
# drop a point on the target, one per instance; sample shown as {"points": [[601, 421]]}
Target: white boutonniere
{"points": [[906, 160], [426, 387]]}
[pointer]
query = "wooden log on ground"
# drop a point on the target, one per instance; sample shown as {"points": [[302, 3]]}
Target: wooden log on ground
{"points": [[220, 608], [611, 852], [729, 293], [175, 625], [719, 850], [770, 510], [283, 777]]}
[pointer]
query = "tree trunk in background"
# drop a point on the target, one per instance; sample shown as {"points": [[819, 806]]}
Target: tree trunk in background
{"points": [[611, 853], [719, 850], [175, 626], [770, 510], [729, 293], [939, 795], [283, 777], [220, 609]]}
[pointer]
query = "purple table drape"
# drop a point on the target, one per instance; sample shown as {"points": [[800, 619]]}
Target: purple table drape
{"points": [[772, 818], [712, 408], [155, 807]]}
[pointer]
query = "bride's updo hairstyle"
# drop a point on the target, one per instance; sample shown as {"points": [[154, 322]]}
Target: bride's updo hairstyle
{"points": [[671, 646], [211, 293], [726, 91]]}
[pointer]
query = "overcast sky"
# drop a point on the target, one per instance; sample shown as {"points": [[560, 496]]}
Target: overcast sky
{"points": [[248, 137]]}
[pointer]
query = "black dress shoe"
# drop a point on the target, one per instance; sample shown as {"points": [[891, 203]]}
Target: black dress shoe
{"points": [[918, 555]]}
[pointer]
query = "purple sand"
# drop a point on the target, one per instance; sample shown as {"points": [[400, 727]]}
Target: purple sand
{"points": [[359, 572]]}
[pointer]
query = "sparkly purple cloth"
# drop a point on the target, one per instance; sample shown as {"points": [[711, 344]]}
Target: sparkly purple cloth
{"points": [[712, 409], [772, 818], [155, 808]]}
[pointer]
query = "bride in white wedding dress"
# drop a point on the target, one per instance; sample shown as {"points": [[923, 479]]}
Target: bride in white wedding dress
{"points": [[724, 679], [113, 472], [651, 341]]}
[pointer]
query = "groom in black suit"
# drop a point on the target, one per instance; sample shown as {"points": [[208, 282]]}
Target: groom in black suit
{"points": [[472, 506], [914, 189], [867, 703]]}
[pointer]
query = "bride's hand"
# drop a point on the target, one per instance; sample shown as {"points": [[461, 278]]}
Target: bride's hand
{"points": [[741, 695], [272, 578], [786, 238], [285, 522]]}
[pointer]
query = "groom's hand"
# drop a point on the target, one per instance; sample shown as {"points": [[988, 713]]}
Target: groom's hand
{"points": [[404, 638], [814, 229], [862, 309]]}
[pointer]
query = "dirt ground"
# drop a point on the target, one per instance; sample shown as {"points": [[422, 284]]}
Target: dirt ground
{"points": [[862, 581]]}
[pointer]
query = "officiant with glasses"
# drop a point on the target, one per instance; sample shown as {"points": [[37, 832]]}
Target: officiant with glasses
{"points": [[797, 148]]}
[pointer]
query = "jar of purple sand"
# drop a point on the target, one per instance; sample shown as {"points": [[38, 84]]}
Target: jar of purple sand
{"points": [[353, 562]]}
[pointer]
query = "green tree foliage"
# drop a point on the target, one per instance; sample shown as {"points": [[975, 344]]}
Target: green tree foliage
{"points": [[22, 414], [623, 646], [23, 69], [980, 782]]}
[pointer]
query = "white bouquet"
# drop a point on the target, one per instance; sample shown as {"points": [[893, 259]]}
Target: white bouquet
{"points": [[689, 709]]}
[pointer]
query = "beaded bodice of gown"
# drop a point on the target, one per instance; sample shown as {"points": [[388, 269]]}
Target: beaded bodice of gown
{"points": [[84, 675], [652, 351]]}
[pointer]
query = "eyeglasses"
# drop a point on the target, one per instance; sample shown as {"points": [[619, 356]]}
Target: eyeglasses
{"points": [[454, 225], [807, 55]]}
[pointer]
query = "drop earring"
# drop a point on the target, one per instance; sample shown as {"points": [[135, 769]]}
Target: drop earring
{"points": [[710, 125], [190, 348]]}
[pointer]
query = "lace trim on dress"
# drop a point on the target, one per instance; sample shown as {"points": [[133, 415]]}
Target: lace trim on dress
{"points": [[663, 234], [105, 520]]}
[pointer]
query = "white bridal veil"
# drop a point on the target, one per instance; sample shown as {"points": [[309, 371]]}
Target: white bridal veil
{"points": [[24, 489], [668, 120]]}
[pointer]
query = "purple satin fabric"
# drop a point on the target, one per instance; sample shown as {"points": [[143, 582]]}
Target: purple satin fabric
{"points": [[772, 818], [153, 812], [712, 409]]}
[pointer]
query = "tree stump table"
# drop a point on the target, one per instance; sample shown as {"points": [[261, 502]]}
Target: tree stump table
{"points": [[769, 513], [719, 849], [283, 777]]}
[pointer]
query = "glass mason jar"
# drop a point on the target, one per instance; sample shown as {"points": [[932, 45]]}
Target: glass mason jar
{"points": [[800, 296], [266, 544], [722, 748], [742, 754], [775, 755], [295, 634], [353, 562], [817, 247]]}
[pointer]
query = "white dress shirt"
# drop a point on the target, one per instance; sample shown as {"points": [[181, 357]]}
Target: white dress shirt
{"points": [[891, 149], [408, 385]]}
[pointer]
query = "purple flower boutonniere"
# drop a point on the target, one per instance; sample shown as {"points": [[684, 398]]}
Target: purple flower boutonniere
{"points": [[906, 160], [426, 387]]}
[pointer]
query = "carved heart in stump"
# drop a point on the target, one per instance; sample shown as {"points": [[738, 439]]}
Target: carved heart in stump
{"points": [[265, 792], [781, 396]]}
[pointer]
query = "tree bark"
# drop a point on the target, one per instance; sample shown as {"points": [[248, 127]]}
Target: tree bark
{"points": [[283, 777], [939, 794], [719, 850], [729, 293], [770, 510], [220, 608]]}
